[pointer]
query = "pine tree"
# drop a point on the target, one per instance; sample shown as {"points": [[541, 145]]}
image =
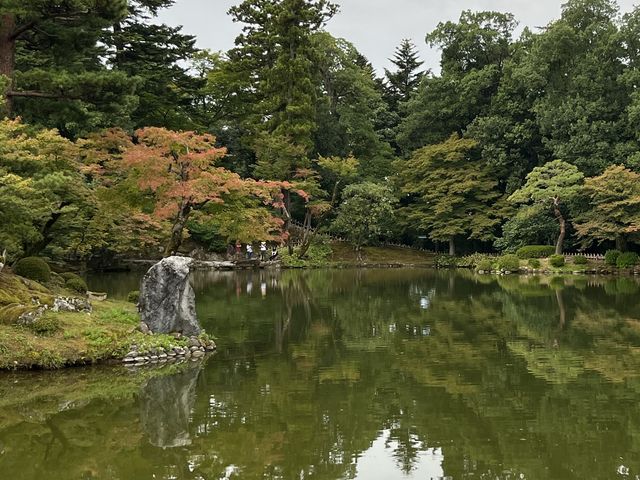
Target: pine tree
{"points": [[159, 57], [402, 83], [51, 61]]}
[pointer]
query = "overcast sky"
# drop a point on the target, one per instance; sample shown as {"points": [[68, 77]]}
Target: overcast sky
{"points": [[376, 27]]}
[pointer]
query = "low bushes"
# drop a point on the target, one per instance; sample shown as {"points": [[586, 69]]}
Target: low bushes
{"points": [[45, 326], [535, 251], [77, 285], [580, 260], [534, 263], [33, 268], [133, 296], [509, 263], [445, 261], [627, 259], [485, 265], [556, 261], [611, 257]]}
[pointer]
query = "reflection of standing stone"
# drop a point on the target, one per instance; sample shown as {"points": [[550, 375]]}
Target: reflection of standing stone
{"points": [[166, 404], [167, 300]]}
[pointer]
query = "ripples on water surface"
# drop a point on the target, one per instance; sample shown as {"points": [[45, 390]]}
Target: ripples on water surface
{"points": [[377, 374]]}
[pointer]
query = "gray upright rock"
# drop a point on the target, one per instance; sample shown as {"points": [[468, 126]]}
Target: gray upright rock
{"points": [[167, 300]]}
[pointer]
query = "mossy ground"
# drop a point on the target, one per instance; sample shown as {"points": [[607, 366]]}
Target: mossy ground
{"points": [[66, 338]]}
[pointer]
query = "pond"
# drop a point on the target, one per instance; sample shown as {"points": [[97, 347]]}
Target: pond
{"points": [[355, 374]]}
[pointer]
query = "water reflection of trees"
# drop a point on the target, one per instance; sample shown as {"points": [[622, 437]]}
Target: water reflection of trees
{"points": [[506, 375]]}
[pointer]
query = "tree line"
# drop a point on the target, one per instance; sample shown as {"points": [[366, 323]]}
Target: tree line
{"points": [[122, 136]]}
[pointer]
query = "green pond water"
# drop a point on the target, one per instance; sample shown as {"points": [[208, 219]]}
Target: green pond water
{"points": [[350, 374]]}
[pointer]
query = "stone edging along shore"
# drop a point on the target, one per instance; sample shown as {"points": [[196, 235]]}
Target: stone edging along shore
{"points": [[195, 348]]}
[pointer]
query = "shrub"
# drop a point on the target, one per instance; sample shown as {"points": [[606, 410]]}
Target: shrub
{"points": [[627, 259], [472, 261], [70, 275], [556, 261], [33, 268], [580, 260], [536, 251], [611, 257], [534, 263], [44, 326], [77, 285], [509, 263], [485, 265], [446, 261], [133, 296]]}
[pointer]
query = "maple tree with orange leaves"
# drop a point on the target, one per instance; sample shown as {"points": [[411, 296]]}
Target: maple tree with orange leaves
{"points": [[180, 169]]}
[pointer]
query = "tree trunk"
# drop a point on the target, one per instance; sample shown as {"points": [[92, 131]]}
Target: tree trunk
{"points": [[175, 242], [452, 246], [621, 243], [563, 225], [287, 221], [7, 56]]}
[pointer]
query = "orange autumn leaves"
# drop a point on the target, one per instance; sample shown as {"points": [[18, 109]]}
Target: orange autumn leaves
{"points": [[180, 169]]}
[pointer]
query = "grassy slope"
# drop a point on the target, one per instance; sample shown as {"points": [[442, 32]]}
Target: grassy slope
{"points": [[66, 338], [343, 253]]}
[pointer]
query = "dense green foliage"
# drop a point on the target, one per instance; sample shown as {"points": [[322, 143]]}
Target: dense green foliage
{"points": [[580, 260], [534, 263], [133, 296], [627, 259], [33, 268], [611, 257], [518, 140], [509, 263], [535, 251], [557, 261], [77, 285]]}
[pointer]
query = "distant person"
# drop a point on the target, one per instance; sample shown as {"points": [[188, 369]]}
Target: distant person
{"points": [[230, 251], [263, 251], [274, 253], [238, 249], [249, 251]]}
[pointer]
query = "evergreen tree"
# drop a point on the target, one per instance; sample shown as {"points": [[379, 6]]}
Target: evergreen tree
{"points": [[403, 82], [554, 186], [474, 51], [51, 58], [159, 56]]}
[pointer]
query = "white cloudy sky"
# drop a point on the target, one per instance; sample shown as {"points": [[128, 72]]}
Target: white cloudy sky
{"points": [[376, 27]]}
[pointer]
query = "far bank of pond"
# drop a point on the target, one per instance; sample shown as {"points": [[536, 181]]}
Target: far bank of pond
{"points": [[365, 374]]}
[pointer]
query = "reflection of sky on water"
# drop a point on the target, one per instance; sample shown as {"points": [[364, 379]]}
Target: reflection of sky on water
{"points": [[378, 462]]}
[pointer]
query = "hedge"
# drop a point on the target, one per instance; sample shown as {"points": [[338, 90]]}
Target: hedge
{"points": [[535, 251]]}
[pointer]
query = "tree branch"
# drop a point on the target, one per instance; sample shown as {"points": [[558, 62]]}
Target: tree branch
{"points": [[36, 94], [22, 29]]}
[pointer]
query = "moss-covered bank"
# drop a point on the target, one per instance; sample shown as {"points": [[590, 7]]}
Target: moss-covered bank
{"points": [[59, 339]]}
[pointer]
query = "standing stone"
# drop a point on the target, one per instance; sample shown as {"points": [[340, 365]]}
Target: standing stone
{"points": [[167, 299]]}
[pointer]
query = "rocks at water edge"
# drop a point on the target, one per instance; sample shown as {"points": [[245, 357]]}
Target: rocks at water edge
{"points": [[140, 356], [167, 299]]}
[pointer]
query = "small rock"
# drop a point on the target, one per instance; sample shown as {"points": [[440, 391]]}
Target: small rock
{"points": [[198, 354], [132, 354], [201, 349], [193, 342], [176, 335], [140, 359], [194, 348], [129, 360], [162, 356], [144, 328]]}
